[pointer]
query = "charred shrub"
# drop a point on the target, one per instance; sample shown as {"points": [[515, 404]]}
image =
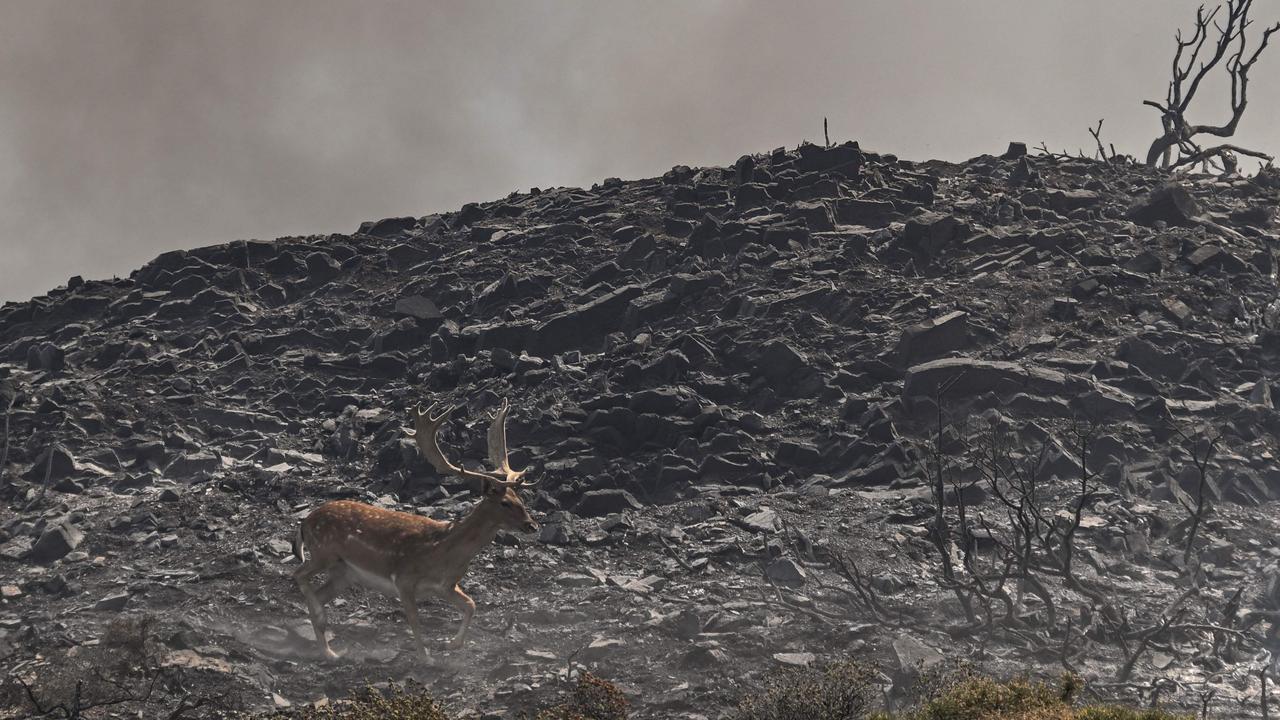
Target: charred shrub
{"points": [[124, 671], [593, 699], [843, 690], [849, 690], [400, 703]]}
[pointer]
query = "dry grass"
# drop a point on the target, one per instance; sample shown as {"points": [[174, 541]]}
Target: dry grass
{"points": [[847, 690], [369, 704], [841, 691]]}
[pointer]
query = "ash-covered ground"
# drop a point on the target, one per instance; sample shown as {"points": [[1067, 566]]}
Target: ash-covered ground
{"points": [[739, 389]]}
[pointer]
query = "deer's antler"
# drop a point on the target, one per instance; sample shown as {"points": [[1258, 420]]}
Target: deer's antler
{"points": [[426, 432], [498, 449]]}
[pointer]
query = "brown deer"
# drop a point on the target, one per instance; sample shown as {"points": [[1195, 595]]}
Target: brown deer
{"points": [[405, 555]]}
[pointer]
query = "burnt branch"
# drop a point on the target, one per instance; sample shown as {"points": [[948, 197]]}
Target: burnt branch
{"points": [[1044, 149], [4, 454], [44, 486], [1265, 699], [863, 593], [1097, 138], [1202, 450], [1144, 641], [1171, 615], [1083, 435], [76, 707], [1219, 151], [938, 471], [1212, 45]]}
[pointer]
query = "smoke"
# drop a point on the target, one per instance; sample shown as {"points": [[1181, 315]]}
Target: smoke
{"points": [[131, 127]]}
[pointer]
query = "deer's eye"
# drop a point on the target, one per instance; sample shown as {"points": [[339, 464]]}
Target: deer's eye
{"points": [[506, 503]]}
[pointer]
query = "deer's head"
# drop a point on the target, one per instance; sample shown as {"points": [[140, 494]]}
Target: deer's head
{"points": [[499, 499]]}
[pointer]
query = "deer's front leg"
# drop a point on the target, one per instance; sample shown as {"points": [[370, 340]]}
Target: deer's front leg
{"points": [[465, 604], [315, 605], [409, 601]]}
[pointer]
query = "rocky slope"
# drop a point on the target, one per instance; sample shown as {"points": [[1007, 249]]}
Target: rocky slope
{"points": [[730, 382]]}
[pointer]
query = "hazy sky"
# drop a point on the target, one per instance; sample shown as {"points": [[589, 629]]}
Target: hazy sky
{"points": [[128, 128]]}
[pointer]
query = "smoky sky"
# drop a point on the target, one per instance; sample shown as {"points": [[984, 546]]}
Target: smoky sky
{"points": [[128, 128]]}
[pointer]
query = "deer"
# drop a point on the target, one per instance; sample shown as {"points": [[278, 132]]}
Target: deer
{"points": [[403, 555]]}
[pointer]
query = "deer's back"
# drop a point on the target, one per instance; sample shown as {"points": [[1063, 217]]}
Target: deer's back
{"points": [[371, 539]]}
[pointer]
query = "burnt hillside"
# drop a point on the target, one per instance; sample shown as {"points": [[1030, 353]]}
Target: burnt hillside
{"points": [[738, 387]]}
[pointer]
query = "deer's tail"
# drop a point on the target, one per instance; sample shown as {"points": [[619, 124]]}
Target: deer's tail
{"points": [[298, 543]]}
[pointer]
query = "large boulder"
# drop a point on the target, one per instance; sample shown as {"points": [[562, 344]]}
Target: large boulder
{"points": [[1153, 359], [404, 256], [584, 326], [934, 337], [321, 267], [55, 543], [46, 356], [859, 211], [387, 227], [1213, 257], [57, 461], [967, 377], [598, 503], [788, 370], [846, 158], [929, 234], [1170, 203], [974, 377], [420, 309]]}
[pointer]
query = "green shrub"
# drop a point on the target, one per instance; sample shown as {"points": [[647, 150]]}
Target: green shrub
{"points": [[975, 697], [841, 691], [984, 697]]}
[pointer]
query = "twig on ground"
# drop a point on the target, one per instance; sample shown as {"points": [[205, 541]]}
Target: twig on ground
{"points": [[675, 556], [44, 487]]}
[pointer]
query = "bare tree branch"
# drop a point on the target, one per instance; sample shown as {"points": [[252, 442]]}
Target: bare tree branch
{"points": [[1219, 150], [1097, 138], [44, 486], [1189, 69]]}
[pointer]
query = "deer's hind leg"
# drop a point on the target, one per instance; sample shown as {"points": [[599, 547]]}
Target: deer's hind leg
{"points": [[339, 580]]}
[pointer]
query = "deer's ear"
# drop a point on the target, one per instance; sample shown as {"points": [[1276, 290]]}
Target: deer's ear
{"points": [[492, 489]]}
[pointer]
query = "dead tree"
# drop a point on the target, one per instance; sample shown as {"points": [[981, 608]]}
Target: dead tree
{"points": [[1195, 59], [939, 473], [1265, 699], [4, 454], [1102, 151], [1202, 450], [1017, 486]]}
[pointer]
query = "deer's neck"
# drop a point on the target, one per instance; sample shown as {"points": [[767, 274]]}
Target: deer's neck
{"points": [[469, 535]]}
